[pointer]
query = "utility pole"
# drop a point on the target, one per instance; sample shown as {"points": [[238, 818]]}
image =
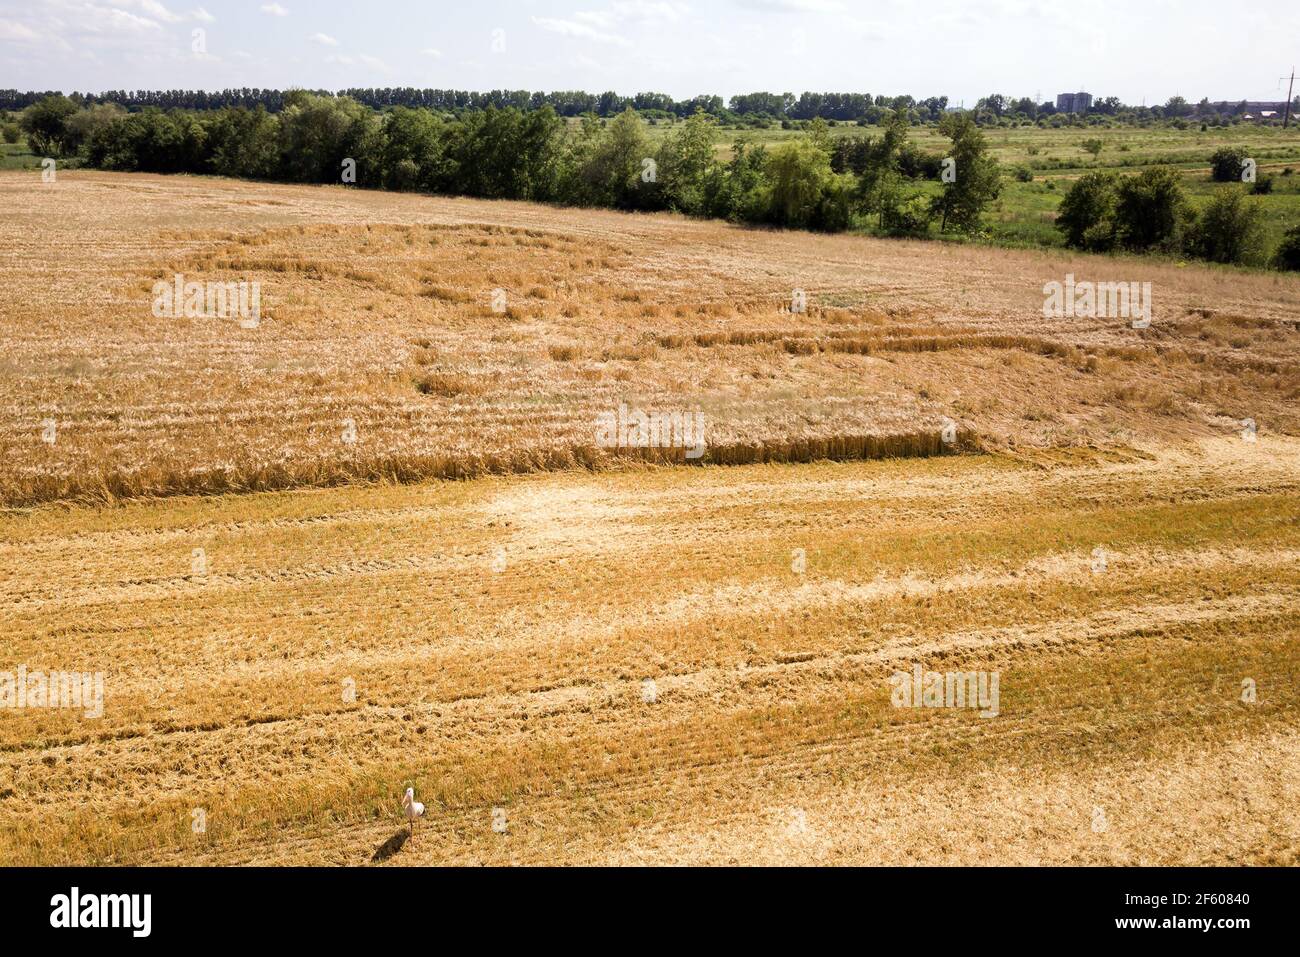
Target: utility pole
{"points": [[1286, 121]]}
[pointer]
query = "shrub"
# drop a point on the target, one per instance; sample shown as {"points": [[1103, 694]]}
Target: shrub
{"points": [[1225, 164], [1150, 210], [1087, 211], [1229, 230], [1288, 253], [915, 163], [909, 217]]}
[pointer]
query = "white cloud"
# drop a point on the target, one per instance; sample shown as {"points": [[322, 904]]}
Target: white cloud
{"points": [[796, 6], [601, 18], [634, 11], [573, 28], [649, 10], [113, 19], [12, 30], [274, 9], [324, 39], [203, 16], [431, 51], [364, 59], [152, 8]]}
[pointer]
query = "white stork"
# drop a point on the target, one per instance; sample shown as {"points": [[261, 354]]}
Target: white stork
{"points": [[411, 808]]}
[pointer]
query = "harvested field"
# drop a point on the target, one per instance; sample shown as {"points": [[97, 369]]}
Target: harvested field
{"points": [[605, 663], [379, 354], [498, 633]]}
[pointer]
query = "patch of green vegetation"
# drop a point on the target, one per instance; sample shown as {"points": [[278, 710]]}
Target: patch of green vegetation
{"points": [[18, 156]]}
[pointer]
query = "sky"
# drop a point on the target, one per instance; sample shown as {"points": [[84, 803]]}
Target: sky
{"points": [[1144, 51]]}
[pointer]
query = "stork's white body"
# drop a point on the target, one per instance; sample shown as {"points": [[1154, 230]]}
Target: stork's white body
{"points": [[411, 807]]}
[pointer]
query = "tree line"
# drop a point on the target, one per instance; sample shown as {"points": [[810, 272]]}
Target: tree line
{"points": [[847, 107], [880, 181], [771, 107], [811, 182]]}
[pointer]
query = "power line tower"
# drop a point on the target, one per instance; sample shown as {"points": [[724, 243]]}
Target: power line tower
{"points": [[1286, 120]]}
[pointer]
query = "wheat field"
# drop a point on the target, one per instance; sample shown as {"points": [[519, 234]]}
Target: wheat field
{"points": [[378, 323], [576, 655]]}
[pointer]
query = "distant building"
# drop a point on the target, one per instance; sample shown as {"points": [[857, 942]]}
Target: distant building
{"points": [[1073, 102], [1249, 106]]}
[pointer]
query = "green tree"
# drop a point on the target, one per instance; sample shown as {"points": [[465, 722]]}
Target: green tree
{"points": [[1150, 210], [740, 192], [82, 125], [820, 133], [686, 164], [540, 148], [579, 148], [801, 190], [616, 172], [797, 174], [1087, 212], [976, 182], [45, 123], [1230, 229], [245, 143], [152, 142], [881, 184], [413, 149], [317, 133], [505, 154]]}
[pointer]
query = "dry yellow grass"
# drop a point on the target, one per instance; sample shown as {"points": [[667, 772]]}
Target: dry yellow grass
{"points": [[286, 662], [497, 634], [377, 311]]}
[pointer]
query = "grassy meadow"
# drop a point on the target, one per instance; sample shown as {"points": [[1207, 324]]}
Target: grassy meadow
{"points": [[1025, 213]]}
